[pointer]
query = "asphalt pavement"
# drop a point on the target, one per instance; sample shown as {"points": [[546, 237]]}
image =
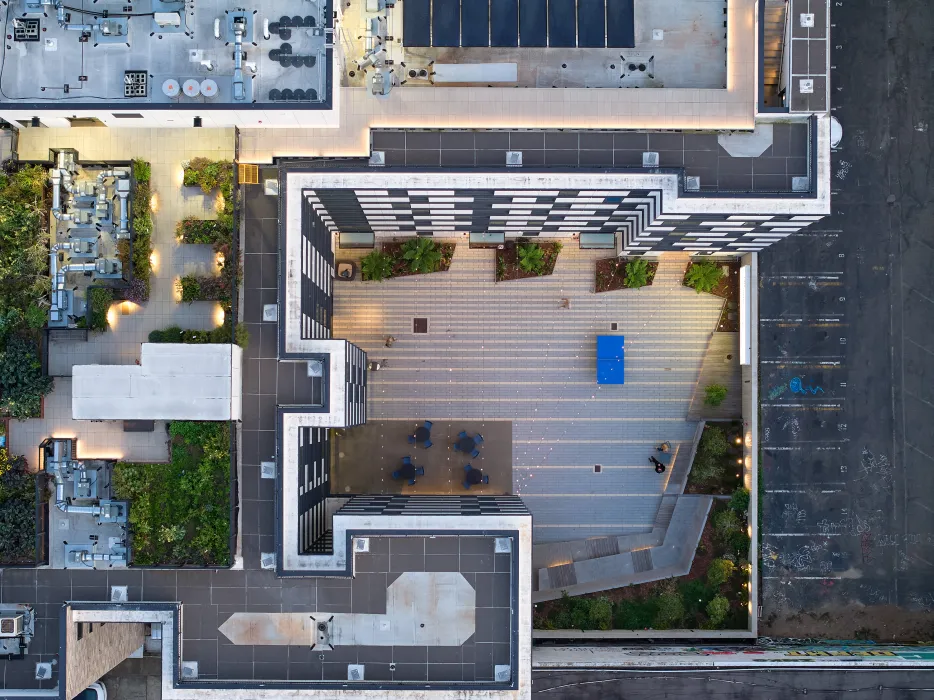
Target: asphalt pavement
{"points": [[847, 356]]}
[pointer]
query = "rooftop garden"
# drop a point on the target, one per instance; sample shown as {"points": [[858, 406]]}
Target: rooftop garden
{"points": [[415, 256], [180, 511], [209, 176], [713, 595], [135, 255], [17, 511], [221, 334], [721, 279], [516, 261], [24, 290]]}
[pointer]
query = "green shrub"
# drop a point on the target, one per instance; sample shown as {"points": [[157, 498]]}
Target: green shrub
{"points": [[695, 595], [703, 276], [707, 469], [209, 175], [220, 335], [714, 394], [717, 610], [422, 254], [719, 572], [202, 231], [739, 543], [376, 266], [531, 258], [22, 384], [670, 612], [601, 613], [713, 442], [637, 273], [634, 614], [739, 501], [142, 171], [99, 300]]}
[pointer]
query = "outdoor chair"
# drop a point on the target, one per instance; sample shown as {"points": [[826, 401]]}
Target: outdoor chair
{"points": [[395, 474], [467, 467], [411, 439], [475, 454], [428, 443], [462, 434], [411, 482], [486, 479], [428, 425], [467, 485], [420, 471], [478, 439], [456, 448], [407, 460]]}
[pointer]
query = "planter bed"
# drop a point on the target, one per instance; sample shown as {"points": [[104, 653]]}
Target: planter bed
{"points": [[507, 260], [400, 266], [611, 274], [727, 481], [727, 288]]}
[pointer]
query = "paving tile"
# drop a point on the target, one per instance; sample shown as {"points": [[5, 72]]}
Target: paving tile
{"points": [[387, 139], [422, 139], [526, 140]]}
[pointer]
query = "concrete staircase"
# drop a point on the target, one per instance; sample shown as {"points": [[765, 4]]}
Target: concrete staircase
{"points": [[774, 21]]}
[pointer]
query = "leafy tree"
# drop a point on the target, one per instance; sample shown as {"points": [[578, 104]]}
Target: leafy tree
{"points": [[739, 501], [714, 394], [376, 266], [717, 610], [634, 614], [22, 384], [422, 254], [719, 572], [670, 611], [17, 510], [725, 524], [739, 542], [703, 276], [601, 613], [531, 258], [637, 273]]}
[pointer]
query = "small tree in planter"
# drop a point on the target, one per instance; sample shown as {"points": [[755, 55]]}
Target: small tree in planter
{"points": [[421, 254], [637, 273], [376, 266], [531, 258], [714, 394], [703, 276]]}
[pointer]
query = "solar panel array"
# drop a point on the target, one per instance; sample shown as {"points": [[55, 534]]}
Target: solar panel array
{"points": [[513, 23]]}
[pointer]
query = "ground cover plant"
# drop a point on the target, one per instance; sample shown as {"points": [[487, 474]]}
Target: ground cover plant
{"points": [[180, 511]]}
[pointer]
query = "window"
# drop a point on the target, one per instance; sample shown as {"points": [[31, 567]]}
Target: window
{"points": [[128, 115], [85, 121], [598, 241], [487, 240], [363, 239]]}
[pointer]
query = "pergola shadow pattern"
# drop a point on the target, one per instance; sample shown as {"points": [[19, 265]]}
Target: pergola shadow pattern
{"points": [[509, 351]]}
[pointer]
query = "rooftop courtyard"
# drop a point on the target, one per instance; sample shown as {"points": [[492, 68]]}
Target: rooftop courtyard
{"points": [[510, 351]]}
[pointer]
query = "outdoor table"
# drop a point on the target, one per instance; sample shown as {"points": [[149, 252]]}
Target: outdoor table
{"points": [[407, 471], [474, 476], [421, 434], [466, 444]]}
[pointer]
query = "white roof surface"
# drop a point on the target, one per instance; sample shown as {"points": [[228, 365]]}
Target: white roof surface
{"points": [[173, 381]]}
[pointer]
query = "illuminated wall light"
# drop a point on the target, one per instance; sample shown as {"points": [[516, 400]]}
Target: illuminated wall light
{"points": [[154, 261], [154, 202], [177, 289], [112, 316], [180, 177], [219, 315], [219, 202]]}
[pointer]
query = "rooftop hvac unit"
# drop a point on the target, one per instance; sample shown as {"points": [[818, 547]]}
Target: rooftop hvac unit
{"points": [[361, 544], [167, 19], [513, 159], [650, 159], [11, 625], [135, 83]]}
